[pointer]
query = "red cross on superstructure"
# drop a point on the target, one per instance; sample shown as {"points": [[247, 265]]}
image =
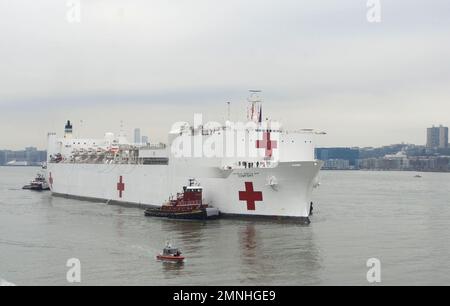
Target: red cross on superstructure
{"points": [[250, 196], [50, 180], [120, 186], [267, 143]]}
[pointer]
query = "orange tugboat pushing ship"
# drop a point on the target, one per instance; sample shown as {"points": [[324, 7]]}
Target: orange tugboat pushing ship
{"points": [[186, 205]]}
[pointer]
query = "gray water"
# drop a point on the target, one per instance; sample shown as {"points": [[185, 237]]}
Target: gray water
{"points": [[401, 220]]}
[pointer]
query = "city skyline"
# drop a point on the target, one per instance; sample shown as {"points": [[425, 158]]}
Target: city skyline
{"points": [[320, 65], [136, 134]]}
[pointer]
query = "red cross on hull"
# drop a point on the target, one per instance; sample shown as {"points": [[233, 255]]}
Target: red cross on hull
{"points": [[250, 196], [120, 186], [267, 143]]}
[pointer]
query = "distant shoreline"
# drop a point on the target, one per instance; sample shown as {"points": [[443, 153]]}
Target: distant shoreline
{"points": [[387, 170], [365, 170], [27, 166]]}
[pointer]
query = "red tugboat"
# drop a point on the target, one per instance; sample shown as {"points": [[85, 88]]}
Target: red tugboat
{"points": [[170, 254], [38, 184], [186, 205]]}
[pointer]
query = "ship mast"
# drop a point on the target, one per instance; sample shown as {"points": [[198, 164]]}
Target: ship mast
{"points": [[254, 111]]}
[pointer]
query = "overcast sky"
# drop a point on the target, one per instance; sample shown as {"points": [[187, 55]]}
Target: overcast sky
{"points": [[320, 64]]}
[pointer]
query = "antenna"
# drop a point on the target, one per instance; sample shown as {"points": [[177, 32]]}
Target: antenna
{"points": [[121, 128], [80, 130], [254, 97]]}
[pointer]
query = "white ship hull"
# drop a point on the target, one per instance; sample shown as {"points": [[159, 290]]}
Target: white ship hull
{"points": [[253, 169], [228, 190]]}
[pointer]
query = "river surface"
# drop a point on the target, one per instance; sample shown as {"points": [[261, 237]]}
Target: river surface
{"points": [[401, 220]]}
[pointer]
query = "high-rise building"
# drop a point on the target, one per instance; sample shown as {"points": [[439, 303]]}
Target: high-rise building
{"points": [[3, 157], [137, 135], [443, 137], [437, 137], [432, 137], [144, 139]]}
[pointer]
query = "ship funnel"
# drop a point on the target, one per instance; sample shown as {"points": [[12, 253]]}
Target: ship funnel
{"points": [[68, 130]]}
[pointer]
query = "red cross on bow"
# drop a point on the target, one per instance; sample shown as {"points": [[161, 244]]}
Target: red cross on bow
{"points": [[120, 186], [267, 143], [250, 196], [50, 180]]}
